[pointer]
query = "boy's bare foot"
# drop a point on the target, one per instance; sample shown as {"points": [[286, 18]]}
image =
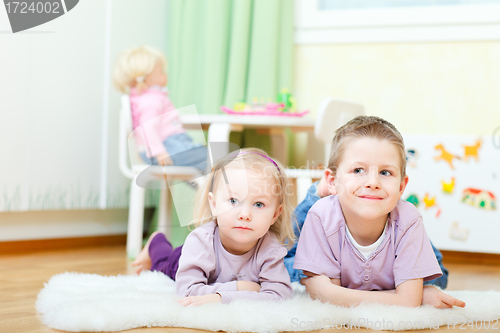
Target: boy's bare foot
{"points": [[143, 261]]}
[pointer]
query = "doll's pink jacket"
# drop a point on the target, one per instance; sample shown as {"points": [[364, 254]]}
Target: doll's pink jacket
{"points": [[154, 118]]}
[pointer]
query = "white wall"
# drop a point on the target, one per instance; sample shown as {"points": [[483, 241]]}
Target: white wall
{"points": [[426, 88], [53, 86]]}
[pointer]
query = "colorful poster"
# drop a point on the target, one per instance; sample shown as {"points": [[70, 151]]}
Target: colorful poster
{"points": [[455, 183]]}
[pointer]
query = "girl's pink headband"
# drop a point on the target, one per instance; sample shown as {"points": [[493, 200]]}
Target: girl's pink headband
{"points": [[234, 155], [265, 156]]}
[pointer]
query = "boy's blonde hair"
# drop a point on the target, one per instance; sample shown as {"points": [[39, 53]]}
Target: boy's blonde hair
{"points": [[134, 65], [257, 160], [366, 127]]}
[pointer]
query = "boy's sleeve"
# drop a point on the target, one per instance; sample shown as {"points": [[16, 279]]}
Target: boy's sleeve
{"points": [[314, 253], [196, 264], [415, 258], [273, 279]]}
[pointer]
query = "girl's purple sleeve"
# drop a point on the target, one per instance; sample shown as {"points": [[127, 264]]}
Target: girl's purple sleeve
{"points": [[196, 264], [273, 279]]}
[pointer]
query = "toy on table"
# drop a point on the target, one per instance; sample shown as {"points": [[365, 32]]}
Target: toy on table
{"points": [[287, 100], [285, 106]]}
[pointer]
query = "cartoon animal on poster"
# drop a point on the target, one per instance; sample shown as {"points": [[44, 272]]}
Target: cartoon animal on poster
{"points": [[479, 198], [448, 187], [411, 157], [454, 185], [445, 155], [429, 201], [472, 151], [413, 199], [458, 233]]}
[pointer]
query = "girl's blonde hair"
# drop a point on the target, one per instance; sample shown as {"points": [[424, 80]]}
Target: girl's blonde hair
{"points": [[256, 160], [134, 65], [366, 127]]}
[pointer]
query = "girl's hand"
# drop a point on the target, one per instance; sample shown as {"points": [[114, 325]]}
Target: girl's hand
{"points": [[199, 300], [435, 297], [247, 286]]}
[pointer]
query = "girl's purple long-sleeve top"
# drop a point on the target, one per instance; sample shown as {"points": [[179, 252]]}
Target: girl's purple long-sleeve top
{"points": [[205, 267]]}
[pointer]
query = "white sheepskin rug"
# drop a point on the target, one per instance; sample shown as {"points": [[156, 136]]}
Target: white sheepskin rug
{"points": [[88, 302]]}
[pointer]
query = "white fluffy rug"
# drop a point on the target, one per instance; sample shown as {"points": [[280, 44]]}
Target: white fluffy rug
{"points": [[88, 302]]}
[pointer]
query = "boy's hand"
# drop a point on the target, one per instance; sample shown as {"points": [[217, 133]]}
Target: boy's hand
{"points": [[316, 285], [435, 297], [247, 286], [323, 190], [199, 300]]}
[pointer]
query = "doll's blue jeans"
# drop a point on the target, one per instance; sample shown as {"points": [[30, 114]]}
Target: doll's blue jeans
{"points": [[183, 152], [300, 215]]}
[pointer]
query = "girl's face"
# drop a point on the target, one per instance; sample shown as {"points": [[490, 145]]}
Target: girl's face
{"points": [[245, 208], [368, 180], [158, 77]]}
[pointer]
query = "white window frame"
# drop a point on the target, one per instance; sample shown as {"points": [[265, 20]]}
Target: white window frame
{"points": [[402, 24]]}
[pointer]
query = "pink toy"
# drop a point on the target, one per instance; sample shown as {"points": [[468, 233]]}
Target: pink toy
{"points": [[271, 109]]}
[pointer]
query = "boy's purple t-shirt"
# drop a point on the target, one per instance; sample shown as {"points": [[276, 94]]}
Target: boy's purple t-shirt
{"points": [[205, 267], [405, 253]]}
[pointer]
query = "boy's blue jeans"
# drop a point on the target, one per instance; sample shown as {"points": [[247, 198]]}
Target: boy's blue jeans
{"points": [[300, 215]]}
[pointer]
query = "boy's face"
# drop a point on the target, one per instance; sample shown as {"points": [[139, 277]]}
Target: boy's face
{"points": [[368, 180]]}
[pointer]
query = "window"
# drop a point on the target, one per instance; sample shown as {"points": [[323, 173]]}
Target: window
{"points": [[363, 4], [362, 21]]}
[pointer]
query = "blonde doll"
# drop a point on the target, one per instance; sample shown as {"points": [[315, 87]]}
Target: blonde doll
{"points": [[160, 137], [242, 223]]}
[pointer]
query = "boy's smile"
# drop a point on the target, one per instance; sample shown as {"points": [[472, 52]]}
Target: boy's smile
{"points": [[368, 183]]}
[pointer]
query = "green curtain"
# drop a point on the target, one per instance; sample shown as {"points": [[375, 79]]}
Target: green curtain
{"points": [[224, 51], [220, 52]]}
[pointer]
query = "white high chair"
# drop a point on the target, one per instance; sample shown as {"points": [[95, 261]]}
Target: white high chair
{"points": [[137, 193], [332, 114]]}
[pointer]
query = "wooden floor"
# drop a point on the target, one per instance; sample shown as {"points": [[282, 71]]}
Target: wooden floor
{"points": [[22, 277]]}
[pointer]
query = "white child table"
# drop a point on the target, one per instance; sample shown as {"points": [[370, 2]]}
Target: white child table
{"points": [[220, 126]]}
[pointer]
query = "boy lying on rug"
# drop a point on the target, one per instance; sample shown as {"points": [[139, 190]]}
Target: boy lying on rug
{"points": [[364, 238], [215, 267]]}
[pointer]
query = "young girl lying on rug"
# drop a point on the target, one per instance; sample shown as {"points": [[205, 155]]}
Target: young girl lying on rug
{"points": [[364, 238], [236, 251]]}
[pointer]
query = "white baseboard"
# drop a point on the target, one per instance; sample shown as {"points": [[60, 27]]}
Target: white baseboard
{"points": [[62, 224]]}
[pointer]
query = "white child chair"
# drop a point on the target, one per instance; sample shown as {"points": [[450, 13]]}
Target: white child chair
{"points": [[332, 114], [137, 193]]}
